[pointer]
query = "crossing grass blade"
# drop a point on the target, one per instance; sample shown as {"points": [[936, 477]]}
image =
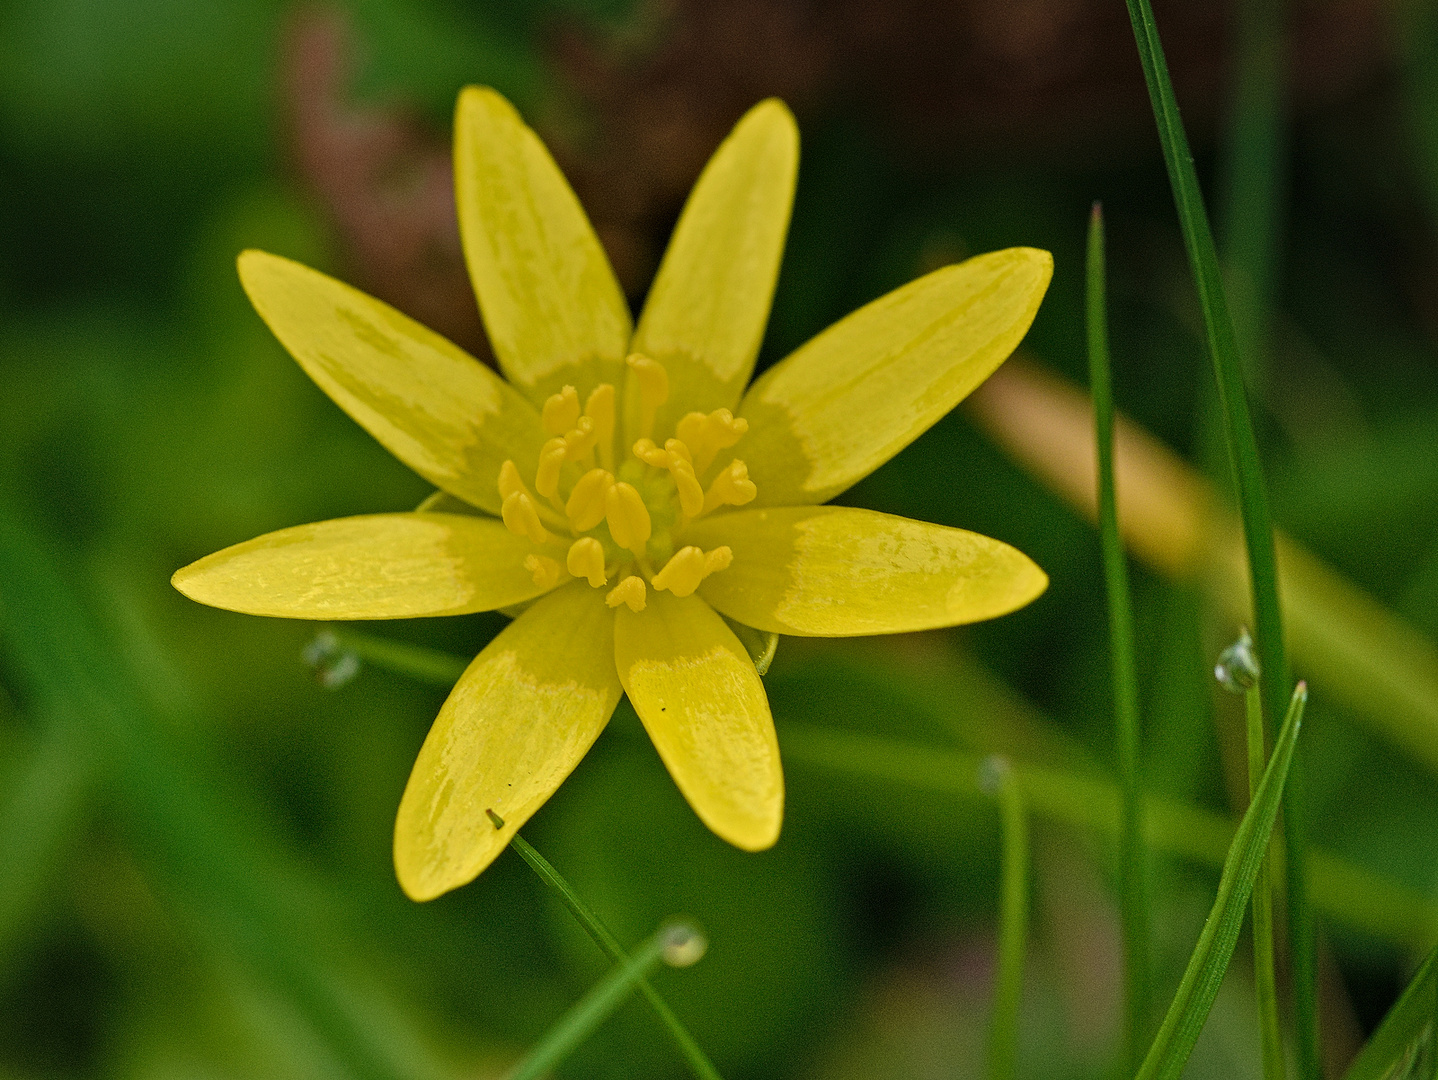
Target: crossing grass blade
{"points": [[694, 1055], [1397, 1039], [1013, 918], [1209, 961], [1252, 499], [1133, 901]]}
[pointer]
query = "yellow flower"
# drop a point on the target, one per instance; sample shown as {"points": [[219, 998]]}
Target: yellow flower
{"points": [[600, 484]]}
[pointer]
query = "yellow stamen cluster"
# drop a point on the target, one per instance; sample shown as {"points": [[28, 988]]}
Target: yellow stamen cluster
{"points": [[579, 457]]}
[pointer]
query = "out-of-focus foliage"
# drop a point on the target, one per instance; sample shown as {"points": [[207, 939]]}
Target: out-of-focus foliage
{"points": [[195, 871]]}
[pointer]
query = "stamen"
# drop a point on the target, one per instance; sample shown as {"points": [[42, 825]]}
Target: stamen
{"points": [[600, 409], [586, 560], [629, 522], [580, 439], [689, 566], [679, 448], [691, 494], [586, 506], [546, 479], [647, 452], [707, 435], [629, 591], [653, 388], [732, 487], [560, 411], [544, 569], [521, 517], [510, 481]]}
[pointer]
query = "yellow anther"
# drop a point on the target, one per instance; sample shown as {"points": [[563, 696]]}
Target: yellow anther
{"points": [[707, 435], [561, 410], [653, 383], [689, 566], [629, 522], [580, 439], [679, 448], [718, 559], [544, 569], [521, 517], [586, 506], [732, 487], [647, 452], [551, 459], [600, 409], [629, 591], [510, 481], [586, 560], [682, 573], [691, 494]]}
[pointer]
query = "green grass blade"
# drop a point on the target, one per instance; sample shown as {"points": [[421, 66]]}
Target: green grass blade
{"points": [[1209, 961], [1252, 500], [669, 944], [1133, 900], [1399, 1034], [1264, 981], [400, 657], [694, 1055], [998, 776]]}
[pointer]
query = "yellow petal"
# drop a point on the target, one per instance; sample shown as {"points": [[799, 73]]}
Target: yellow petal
{"points": [[831, 571], [378, 566], [554, 312], [432, 405], [515, 725], [853, 397], [706, 311], [696, 690]]}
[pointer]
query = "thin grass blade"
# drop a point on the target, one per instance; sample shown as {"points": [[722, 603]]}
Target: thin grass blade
{"points": [[1398, 1040], [1209, 961]]}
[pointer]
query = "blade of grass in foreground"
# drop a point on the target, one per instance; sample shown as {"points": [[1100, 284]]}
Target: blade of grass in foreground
{"points": [[1133, 901], [1206, 967], [677, 944], [1265, 983], [996, 776], [693, 1054], [1252, 500], [1397, 1040]]}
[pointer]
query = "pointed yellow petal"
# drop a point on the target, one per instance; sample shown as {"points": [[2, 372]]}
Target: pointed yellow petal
{"points": [[515, 725], [554, 312], [706, 311], [378, 566], [432, 405], [853, 397], [831, 571], [696, 690]]}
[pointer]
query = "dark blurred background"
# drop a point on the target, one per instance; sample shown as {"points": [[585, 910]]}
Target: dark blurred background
{"points": [[195, 875]]}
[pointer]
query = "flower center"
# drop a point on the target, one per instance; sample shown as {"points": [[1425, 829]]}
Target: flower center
{"points": [[610, 516]]}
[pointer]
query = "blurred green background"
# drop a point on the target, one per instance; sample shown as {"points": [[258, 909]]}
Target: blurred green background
{"points": [[195, 874]]}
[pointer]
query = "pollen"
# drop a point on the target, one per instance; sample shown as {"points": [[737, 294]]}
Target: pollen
{"points": [[561, 411], [586, 560], [630, 591], [689, 566], [545, 570]]}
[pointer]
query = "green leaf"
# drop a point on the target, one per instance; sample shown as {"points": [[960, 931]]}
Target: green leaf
{"points": [[1206, 967], [1396, 1042]]}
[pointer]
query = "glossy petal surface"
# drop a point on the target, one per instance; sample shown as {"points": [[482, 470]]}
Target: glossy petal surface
{"points": [[517, 722], [835, 572], [840, 406], [696, 690], [706, 311], [377, 566], [554, 312], [432, 405]]}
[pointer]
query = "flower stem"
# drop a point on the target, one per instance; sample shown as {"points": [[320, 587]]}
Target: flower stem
{"points": [[1133, 900], [998, 777], [694, 1055], [596, 1006], [1265, 986]]}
